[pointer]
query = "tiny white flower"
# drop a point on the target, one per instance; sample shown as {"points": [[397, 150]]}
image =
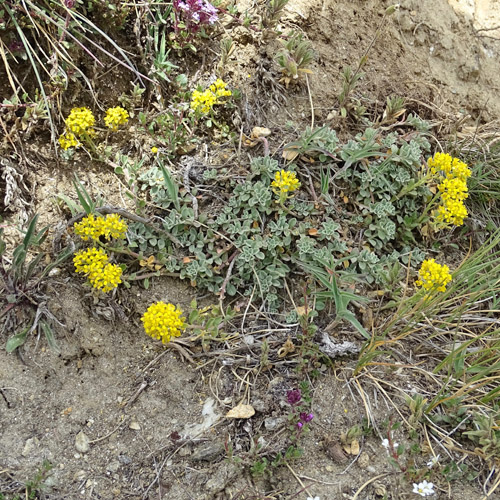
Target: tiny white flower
{"points": [[386, 445], [424, 489], [433, 461]]}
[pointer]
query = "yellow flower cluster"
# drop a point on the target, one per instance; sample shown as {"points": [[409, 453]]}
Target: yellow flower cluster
{"points": [[92, 227], [433, 276], [80, 121], [452, 174], [284, 183], [68, 140], [205, 101], [115, 117], [79, 124], [443, 164], [163, 321], [94, 263]]}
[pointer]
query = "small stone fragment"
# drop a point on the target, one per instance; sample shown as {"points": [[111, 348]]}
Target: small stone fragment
{"points": [[364, 460], [134, 426], [208, 452], [124, 459], [82, 442], [334, 451], [113, 466], [184, 452], [80, 475], [271, 423], [30, 446]]}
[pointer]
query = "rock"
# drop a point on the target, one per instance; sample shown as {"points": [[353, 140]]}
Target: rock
{"points": [[80, 475], [134, 426], [82, 442], [124, 459], [364, 460], [113, 466], [208, 452], [30, 446], [259, 405], [55, 271], [51, 482], [184, 452], [249, 340], [271, 423], [334, 451], [225, 474]]}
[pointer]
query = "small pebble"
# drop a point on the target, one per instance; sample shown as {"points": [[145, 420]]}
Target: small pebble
{"points": [[82, 442]]}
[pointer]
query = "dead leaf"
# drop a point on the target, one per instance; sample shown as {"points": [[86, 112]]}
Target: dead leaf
{"points": [[241, 411], [355, 447], [186, 260], [368, 318], [287, 348], [301, 310], [313, 231], [307, 159], [290, 154]]}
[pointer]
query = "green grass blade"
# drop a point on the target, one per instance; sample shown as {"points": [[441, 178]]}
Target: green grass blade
{"points": [[29, 52], [49, 335], [84, 197], [172, 187]]}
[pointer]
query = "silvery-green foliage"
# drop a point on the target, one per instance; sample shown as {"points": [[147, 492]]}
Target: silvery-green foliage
{"points": [[321, 142], [264, 166], [377, 170], [305, 245], [251, 243]]}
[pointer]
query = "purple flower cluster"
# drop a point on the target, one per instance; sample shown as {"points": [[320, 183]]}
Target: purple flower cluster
{"points": [[293, 397], [304, 418], [195, 13]]}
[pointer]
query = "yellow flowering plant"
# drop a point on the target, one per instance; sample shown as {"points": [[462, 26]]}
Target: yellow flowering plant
{"points": [[202, 103], [80, 121], [94, 263], [79, 128], [92, 227], [451, 174], [163, 321], [115, 117], [433, 276], [284, 184]]}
